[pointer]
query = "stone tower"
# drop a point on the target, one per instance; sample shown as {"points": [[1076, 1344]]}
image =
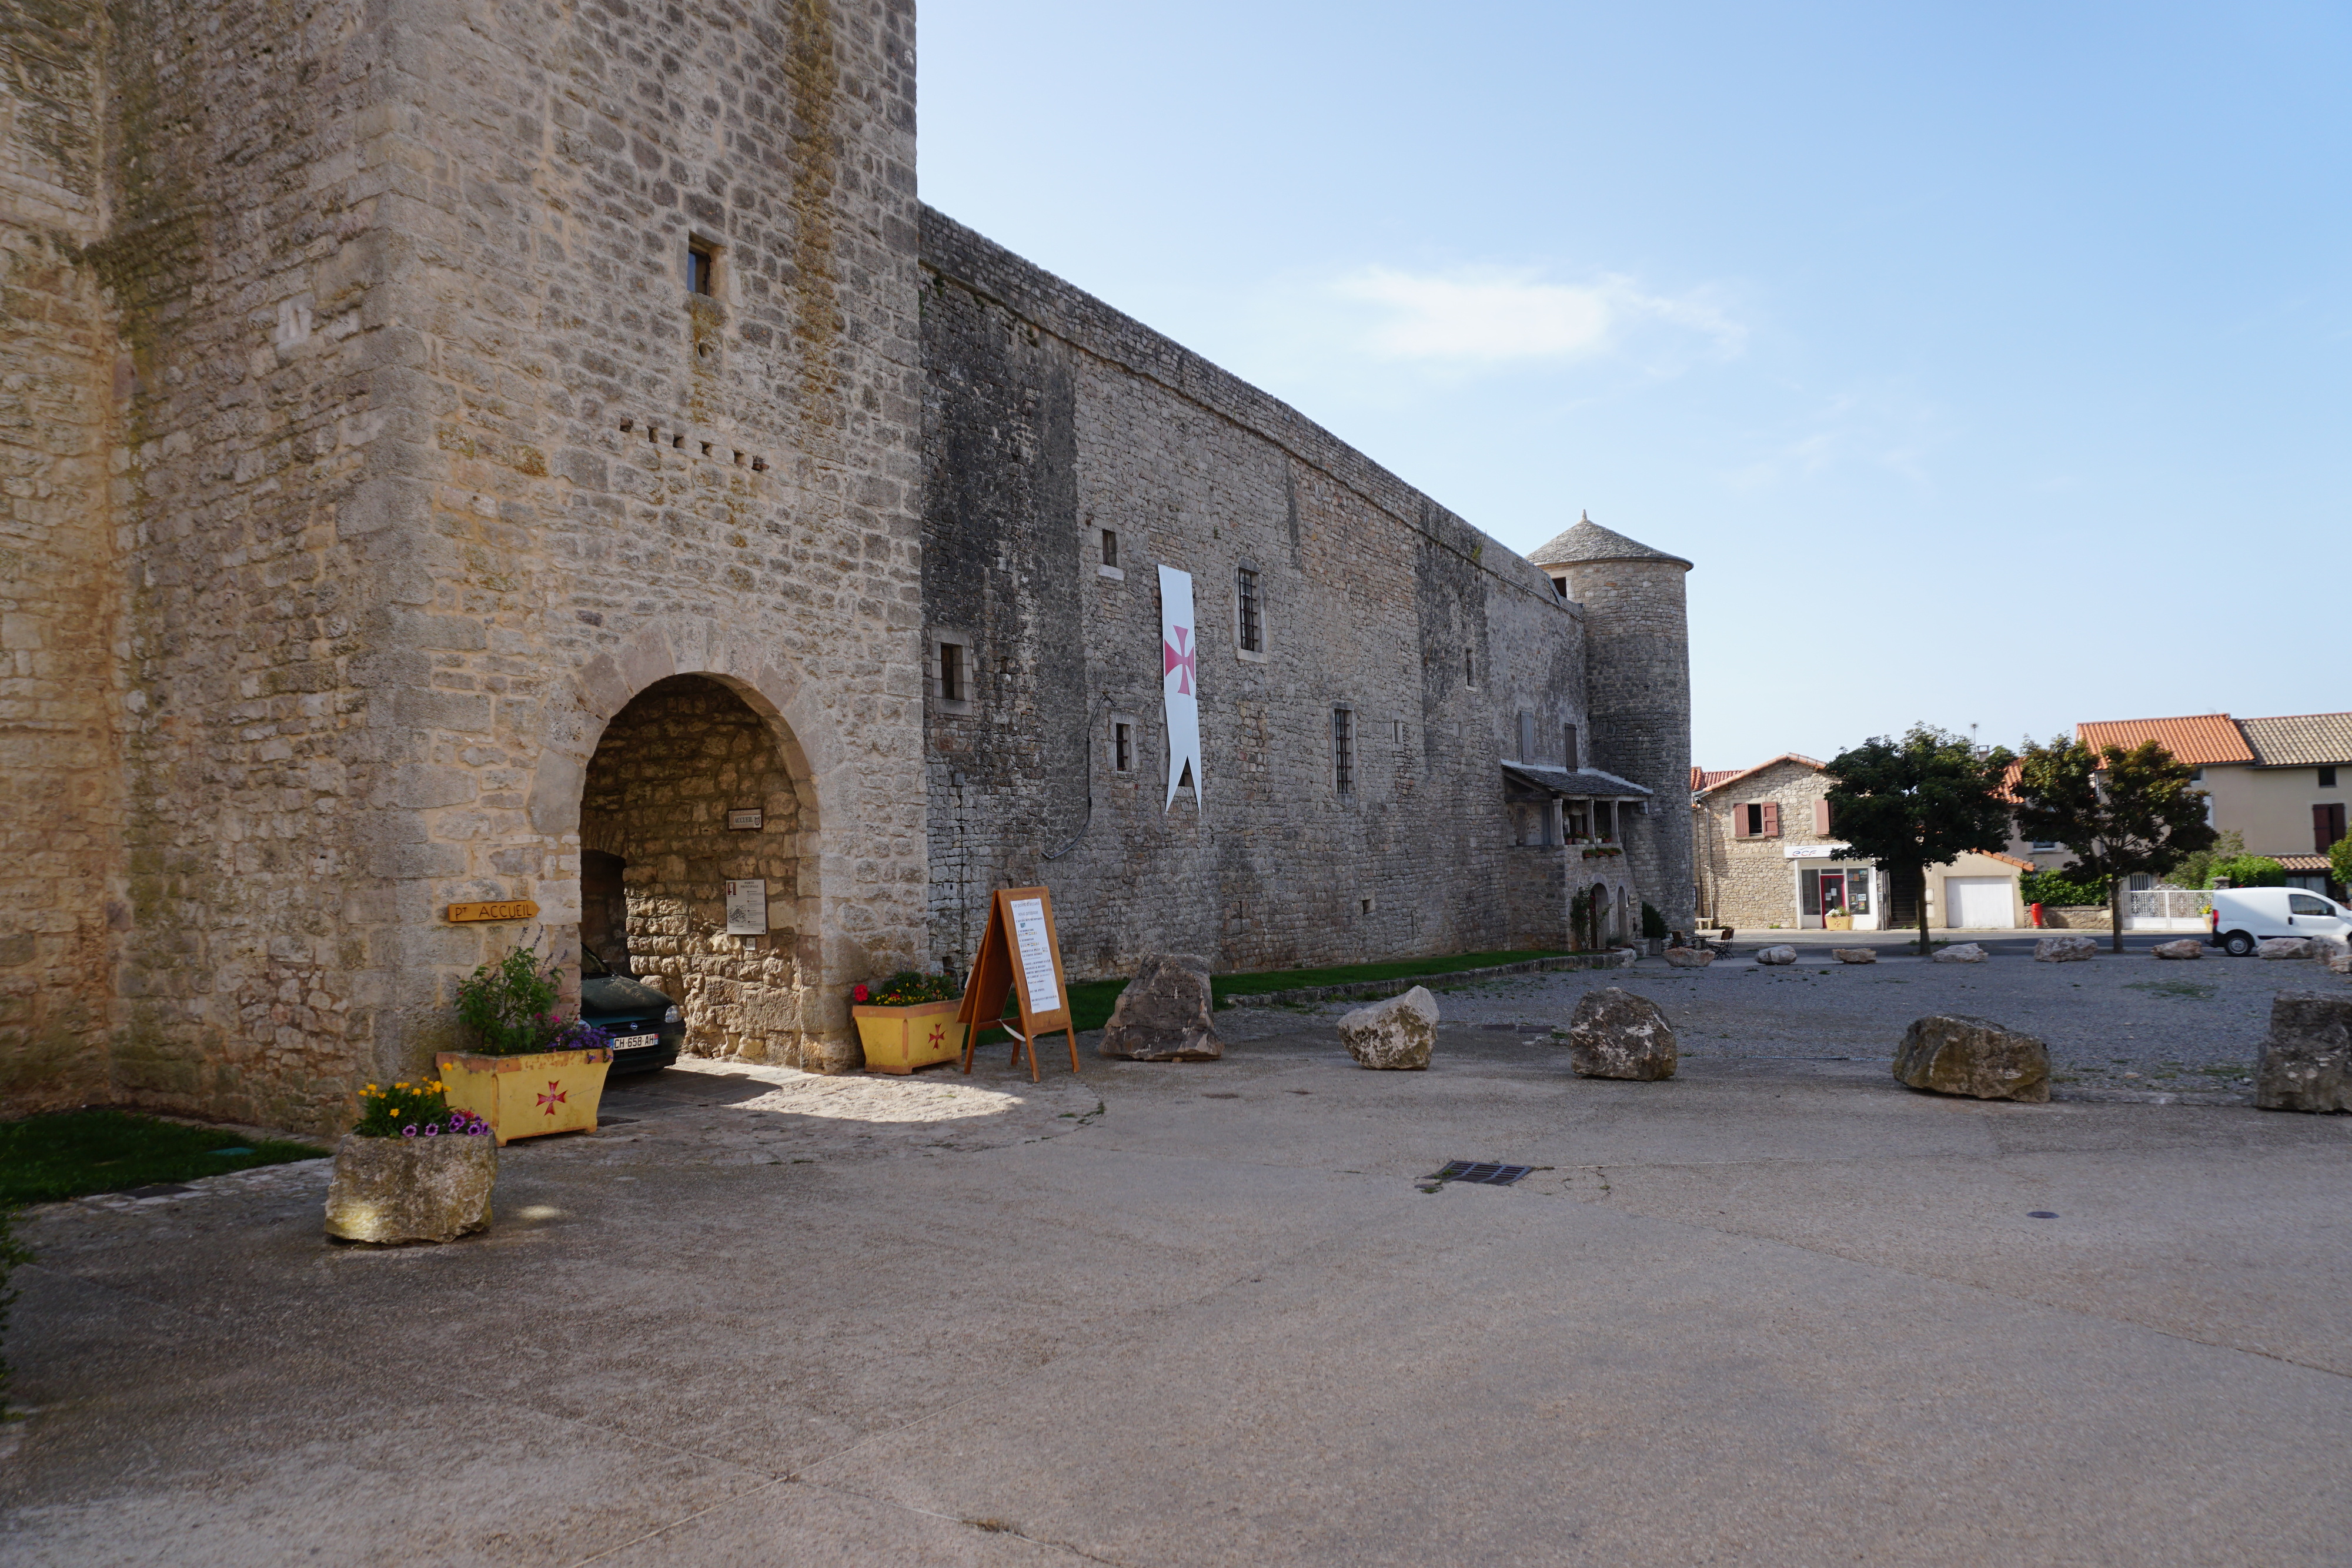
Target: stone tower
{"points": [[1638, 688]]}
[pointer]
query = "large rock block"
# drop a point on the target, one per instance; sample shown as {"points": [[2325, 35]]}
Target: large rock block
{"points": [[1783, 955], [390, 1190], [1951, 1054], [2187, 947], [1854, 954], [2327, 949], [1689, 957], [2282, 947], [1166, 1013], [2306, 1062], [1960, 953], [2064, 949], [1616, 1034], [1397, 1033]]}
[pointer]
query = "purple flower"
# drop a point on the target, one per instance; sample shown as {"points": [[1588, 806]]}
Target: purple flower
{"points": [[478, 1128], [408, 1132], [432, 1129]]}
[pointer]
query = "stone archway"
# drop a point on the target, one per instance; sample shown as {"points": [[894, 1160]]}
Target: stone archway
{"points": [[656, 838]]}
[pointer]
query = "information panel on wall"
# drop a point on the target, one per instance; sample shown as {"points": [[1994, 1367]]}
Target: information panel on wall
{"points": [[747, 908]]}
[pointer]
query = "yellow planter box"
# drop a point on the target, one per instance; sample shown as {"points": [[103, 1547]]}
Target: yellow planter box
{"points": [[900, 1039], [1838, 922], [524, 1096]]}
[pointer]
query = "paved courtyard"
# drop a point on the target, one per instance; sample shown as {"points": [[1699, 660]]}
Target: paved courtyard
{"points": [[1777, 1311]]}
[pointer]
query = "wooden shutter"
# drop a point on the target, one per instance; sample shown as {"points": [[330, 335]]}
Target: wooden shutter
{"points": [[1821, 818], [2327, 825], [1772, 819], [1740, 821]]}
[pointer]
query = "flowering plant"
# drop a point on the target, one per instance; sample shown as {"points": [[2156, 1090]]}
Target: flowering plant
{"points": [[581, 1035], [906, 988], [511, 1004], [415, 1111]]}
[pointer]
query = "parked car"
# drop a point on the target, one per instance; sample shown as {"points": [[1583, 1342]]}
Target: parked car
{"points": [[647, 1027], [2244, 916]]}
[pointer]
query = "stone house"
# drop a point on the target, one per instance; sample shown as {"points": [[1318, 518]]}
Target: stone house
{"points": [[1767, 857], [462, 455]]}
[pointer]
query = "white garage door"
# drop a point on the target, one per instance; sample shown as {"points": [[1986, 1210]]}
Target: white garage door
{"points": [[1979, 903]]}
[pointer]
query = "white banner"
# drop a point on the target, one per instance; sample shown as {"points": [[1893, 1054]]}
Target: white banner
{"points": [[1180, 681]]}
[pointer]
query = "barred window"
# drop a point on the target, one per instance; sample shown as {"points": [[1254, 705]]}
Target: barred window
{"points": [[1109, 546], [1122, 743], [1252, 628], [952, 672], [1343, 750]]}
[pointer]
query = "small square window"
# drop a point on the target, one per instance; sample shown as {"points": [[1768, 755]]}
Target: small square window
{"points": [[701, 266], [2327, 779]]}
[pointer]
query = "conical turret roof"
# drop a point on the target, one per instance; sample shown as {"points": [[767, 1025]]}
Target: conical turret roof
{"points": [[1588, 541]]}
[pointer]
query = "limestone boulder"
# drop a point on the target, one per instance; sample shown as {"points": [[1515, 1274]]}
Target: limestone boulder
{"points": [[1398, 1033], [2327, 949], [1689, 957], [1854, 954], [2066, 949], [1777, 956], [1960, 953], [1616, 1034], [1166, 1014], [2307, 1060], [390, 1190], [2188, 948], [2282, 947], [1949, 1053], [2341, 964]]}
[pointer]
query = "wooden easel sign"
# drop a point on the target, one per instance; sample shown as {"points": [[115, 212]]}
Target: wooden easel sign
{"points": [[1020, 955]]}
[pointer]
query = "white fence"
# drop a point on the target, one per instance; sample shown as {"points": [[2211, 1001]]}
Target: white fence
{"points": [[2166, 909]]}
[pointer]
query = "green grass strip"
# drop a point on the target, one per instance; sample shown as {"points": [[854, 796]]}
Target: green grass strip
{"points": [[75, 1153], [1092, 1000]]}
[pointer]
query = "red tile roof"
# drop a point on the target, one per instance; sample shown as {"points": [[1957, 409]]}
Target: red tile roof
{"points": [[2303, 864], [1717, 781], [1704, 778], [2196, 739]]}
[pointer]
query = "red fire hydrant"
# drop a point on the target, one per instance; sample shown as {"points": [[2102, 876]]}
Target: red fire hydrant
{"points": [[2037, 916]]}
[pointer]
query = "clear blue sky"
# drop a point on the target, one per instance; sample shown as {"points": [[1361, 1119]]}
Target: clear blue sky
{"points": [[1990, 360]]}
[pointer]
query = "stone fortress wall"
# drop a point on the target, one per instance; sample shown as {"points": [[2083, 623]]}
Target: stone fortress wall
{"points": [[368, 450], [1052, 418], [424, 461]]}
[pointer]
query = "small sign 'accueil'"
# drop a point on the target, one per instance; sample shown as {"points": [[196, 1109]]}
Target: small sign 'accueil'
{"points": [[747, 908], [746, 821]]}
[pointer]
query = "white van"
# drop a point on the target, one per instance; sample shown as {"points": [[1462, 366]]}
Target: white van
{"points": [[2244, 916]]}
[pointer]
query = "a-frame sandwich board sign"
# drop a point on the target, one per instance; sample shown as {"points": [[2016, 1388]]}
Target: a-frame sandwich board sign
{"points": [[1020, 955]]}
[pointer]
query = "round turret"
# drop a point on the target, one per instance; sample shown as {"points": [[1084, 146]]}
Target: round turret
{"points": [[1637, 662]]}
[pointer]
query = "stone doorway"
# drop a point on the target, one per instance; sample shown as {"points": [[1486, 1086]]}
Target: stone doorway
{"points": [[688, 791]]}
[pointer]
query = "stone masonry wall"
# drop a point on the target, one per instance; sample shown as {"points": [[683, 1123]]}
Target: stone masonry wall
{"points": [[1750, 883], [426, 461], [1052, 418], [61, 862], [670, 769], [1637, 619]]}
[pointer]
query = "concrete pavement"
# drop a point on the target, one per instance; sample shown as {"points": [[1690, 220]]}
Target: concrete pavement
{"points": [[1770, 1312]]}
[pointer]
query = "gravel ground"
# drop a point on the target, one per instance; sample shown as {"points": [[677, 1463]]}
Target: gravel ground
{"points": [[2117, 1025]]}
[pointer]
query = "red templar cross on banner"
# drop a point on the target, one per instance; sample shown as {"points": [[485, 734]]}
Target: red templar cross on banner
{"points": [[1181, 658]]}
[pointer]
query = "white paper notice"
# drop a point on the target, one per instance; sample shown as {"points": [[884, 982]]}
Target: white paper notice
{"points": [[747, 908], [1036, 955]]}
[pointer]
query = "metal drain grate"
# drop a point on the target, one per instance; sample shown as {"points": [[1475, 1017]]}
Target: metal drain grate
{"points": [[1479, 1171]]}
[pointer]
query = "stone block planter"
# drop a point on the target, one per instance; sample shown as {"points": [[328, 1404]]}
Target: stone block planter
{"points": [[526, 1096], [900, 1039], [392, 1191]]}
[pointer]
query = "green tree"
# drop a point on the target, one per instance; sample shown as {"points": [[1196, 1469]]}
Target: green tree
{"points": [[2196, 867], [1918, 802], [2248, 870], [2340, 863], [2122, 811]]}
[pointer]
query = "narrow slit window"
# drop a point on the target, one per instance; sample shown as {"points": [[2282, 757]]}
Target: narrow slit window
{"points": [[1251, 627], [1568, 747], [1468, 678], [1343, 750], [1122, 747], [952, 681], [1527, 735], [1109, 548], [701, 266]]}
